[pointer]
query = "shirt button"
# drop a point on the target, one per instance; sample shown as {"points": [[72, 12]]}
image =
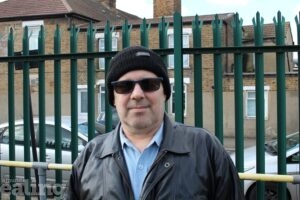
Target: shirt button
{"points": [[140, 166]]}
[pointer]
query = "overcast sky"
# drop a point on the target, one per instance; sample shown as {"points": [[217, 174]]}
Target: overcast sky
{"points": [[247, 9]]}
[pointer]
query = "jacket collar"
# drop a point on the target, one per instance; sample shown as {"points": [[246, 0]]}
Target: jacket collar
{"points": [[111, 143], [175, 139]]}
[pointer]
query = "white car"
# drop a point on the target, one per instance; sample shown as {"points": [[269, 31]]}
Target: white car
{"points": [[50, 148], [271, 155]]}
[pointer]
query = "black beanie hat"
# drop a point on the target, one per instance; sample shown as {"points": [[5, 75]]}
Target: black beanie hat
{"points": [[136, 58]]}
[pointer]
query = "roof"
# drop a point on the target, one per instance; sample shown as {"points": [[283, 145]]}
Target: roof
{"points": [[268, 31], [11, 10], [225, 17]]}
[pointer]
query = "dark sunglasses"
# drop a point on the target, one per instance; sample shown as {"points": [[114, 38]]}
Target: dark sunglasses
{"points": [[127, 86]]}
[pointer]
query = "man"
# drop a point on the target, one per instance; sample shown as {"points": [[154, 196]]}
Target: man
{"points": [[148, 156]]}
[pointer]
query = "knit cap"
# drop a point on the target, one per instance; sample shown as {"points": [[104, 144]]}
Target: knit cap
{"points": [[136, 58]]}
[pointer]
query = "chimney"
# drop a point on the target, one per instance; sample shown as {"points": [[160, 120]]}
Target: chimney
{"points": [[166, 7], [108, 3]]}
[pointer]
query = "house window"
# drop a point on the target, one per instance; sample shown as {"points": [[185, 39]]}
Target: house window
{"points": [[185, 44], [101, 99], [101, 47], [33, 32], [82, 101], [171, 102], [250, 101], [34, 79], [101, 96]]}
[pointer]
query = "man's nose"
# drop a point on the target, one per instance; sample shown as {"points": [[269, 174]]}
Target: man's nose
{"points": [[137, 90]]}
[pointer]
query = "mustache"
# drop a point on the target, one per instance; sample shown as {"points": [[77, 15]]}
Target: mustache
{"points": [[138, 105]]}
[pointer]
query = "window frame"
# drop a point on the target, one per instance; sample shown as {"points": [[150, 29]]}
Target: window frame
{"points": [[100, 42], [251, 89], [171, 101], [80, 90], [186, 33], [101, 96], [33, 32]]}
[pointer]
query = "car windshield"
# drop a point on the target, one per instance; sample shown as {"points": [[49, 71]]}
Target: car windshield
{"points": [[292, 140], [83, 128]]}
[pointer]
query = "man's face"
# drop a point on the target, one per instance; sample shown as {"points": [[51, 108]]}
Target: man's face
{"points": [[140, 109]]}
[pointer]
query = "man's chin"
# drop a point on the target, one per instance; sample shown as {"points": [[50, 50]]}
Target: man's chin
{"points": [[140, 122]]}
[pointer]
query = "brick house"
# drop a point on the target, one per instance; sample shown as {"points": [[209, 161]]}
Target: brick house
{"points": [[270, 85], [17, 14], [167, 8]]}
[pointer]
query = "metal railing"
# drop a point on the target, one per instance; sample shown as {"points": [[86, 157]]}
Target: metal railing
{"points": [[43, 166], [197, 51]]}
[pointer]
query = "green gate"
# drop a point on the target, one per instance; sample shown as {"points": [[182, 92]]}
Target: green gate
{"points": [[219, 51]]}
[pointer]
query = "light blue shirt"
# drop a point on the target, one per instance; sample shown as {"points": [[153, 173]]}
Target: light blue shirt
{"points": [[139, 163]]}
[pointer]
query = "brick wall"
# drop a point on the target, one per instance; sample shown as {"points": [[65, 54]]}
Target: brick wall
{"points": [[50, 27], [166, 7]]}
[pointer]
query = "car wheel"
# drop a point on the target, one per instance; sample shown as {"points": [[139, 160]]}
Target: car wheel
{"points": [[271, 193]]}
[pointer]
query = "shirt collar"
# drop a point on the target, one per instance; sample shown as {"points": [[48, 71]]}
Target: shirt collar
{"points": [[157, 139]]}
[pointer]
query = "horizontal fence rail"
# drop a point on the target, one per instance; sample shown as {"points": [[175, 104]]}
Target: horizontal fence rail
{"points": [[295, 179], [162, 52]]}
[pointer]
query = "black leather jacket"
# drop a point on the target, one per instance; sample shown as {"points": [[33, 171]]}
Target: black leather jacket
{"points": [[191, 164]]}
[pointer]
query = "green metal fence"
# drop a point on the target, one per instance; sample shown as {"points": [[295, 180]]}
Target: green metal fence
{"points": [[197, 51]]}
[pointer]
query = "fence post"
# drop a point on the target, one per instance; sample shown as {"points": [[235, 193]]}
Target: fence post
{"points": [[126, 29], [178, 68], [144, 27], [42, 179], [198, 94], [163, 36], [218, 78], [259, 100], [281, 102], [42, 112], [57, 102], [73, 90], [238, 94], [91, 82], [26, 108], [11, 108], [163, 43], [108, 47]]}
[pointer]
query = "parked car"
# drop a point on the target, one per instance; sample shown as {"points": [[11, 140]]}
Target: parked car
{"points": [[271, 156], [50, 147], [99, 128], [115, 118]]}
